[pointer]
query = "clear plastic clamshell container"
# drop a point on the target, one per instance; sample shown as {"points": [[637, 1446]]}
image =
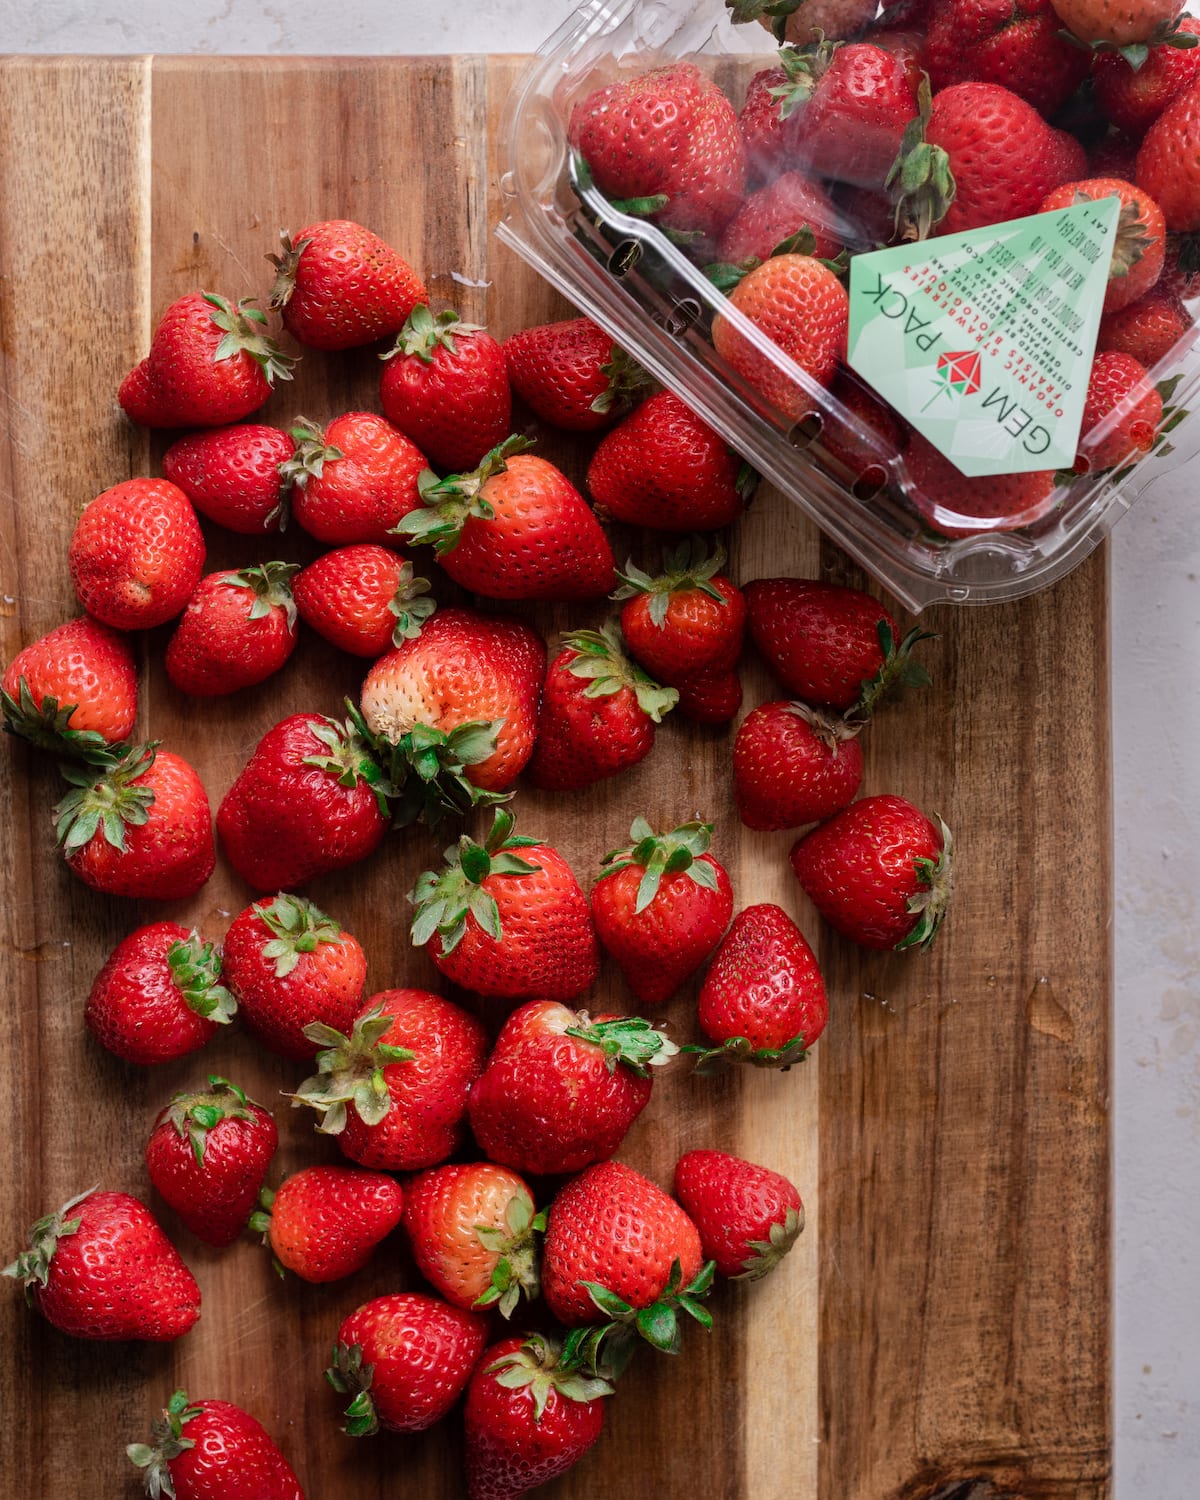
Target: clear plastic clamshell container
{"points": [[651, 294]]}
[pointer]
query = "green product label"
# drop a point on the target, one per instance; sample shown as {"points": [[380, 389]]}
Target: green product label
{"points": [[984, 340]]}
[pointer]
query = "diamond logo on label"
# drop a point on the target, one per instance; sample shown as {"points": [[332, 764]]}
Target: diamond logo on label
{"points": [[984, 340]]}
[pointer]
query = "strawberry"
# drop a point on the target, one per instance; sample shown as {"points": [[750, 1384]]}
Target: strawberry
{"points": [[800, 305], [514, 528], [207, 1156], [763, 999], [615, 1245], [1121, 414], [661, 906], [507, 918], [767, 137], [406, 1067], [1148, 330], [665, 143], [238, 629], [793, 764], [137, 554], [1137, 253], [1019, 47], [323, 1222], [445, 386], [473, 1230], [852, 102], [1113, 156], [790, 204], [598, 712], [560, 1090], [455, 711], [139, 826], [158, 996], [1119, 23], [1133, 96], [338, 286], [212, 1450], [688, 620], [1065, 160], [1168, 163], [288, 964], [951, 505], [859, 432], [879, 872], [363, 599], [664, 468], [231, 475], [101, 1268], [73, 691], [748, 1216], [353, 481], [405, 1360], [210, 364], [710, 697], [830, 645], [572, 375], [306, 803], [531, 1415], [804, 21]]}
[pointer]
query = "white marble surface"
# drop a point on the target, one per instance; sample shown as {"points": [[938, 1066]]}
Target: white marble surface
{"points": [[1156, 735]]}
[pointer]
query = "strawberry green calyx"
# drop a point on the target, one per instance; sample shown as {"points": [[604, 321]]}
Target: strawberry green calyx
{"points": [[1132, 239], [741, 11], [350, 756], [629, 1040], [410, 606], [740, 1049], [243, 326], [310, 456], [448, 504], [659, 854], [423, 334], [444, 898], [628, 382], [600, 658], [286, 266], [658, 1323], [516, 1273], [48, 726], [931, 902], [194, 1115], [196, 970], [297, 926], [725, 275], [769, 1252], [897, 672], [920, 181], [350, 1377], [542, 1365], [105, 799], [350, 1072], [686, 567], [259, 1222], [1165, 34], [166, 1443], [805, 67], [270, 583], [33, 1265]]}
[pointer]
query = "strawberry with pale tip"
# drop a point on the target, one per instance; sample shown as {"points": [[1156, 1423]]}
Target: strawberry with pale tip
{"points": [[74, 691], [231, 475], [363, 599], [354, 480], [748, 1216], [238, 629], [572, 375], [338, 285], [212, 1450], [323, 1223]]}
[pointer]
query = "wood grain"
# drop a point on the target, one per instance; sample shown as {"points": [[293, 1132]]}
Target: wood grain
{"points": [[942, 1328]]}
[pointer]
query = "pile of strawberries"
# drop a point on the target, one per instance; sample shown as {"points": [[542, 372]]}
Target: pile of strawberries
{"points": [[928, 117], [453, 1133]]}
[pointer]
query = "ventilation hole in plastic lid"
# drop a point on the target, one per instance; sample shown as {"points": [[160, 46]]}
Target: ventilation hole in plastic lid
{"points": [[806, 431], [624, 257], [681, 317], [869, 483]]}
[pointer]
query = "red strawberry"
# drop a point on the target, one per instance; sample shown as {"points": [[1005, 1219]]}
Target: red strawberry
{"points": [[514, 528], [531, 1415], [507, 918], [689, 620], [231, 475], [324, 1222], [339, 286], [1168, 164], [406, 1360], [445, 386], [951, 505], [879, 872], [763, 999], [1066, 160], [852, 104], [473, 1232], [615, 1244], [455, 711], [288, 964], [666, 134], [767, 136], [137, 554], [209, 364], [353, 482], [561, 1090], [572, 375], [775, 215], [1130, 21], [73, 691], [859, 432], [710, 697], [815, 19], [1148, 330], [828, 644], [238, 629], [1137, 253], [1121, 414], [363, 599], [748, 1216], [661, 906], [213, 1450], [1018, 46], [306, 803], [158, 996], [1113, 156], [1134, 97], [101, 1268], [793, 764], [394, 1091], [207, 1155], [140, 826], [664, 468], [598, 713], [800, 305]]}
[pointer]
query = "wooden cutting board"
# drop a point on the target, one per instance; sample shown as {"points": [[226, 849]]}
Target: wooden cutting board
{"points": [[942, 1328]]}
